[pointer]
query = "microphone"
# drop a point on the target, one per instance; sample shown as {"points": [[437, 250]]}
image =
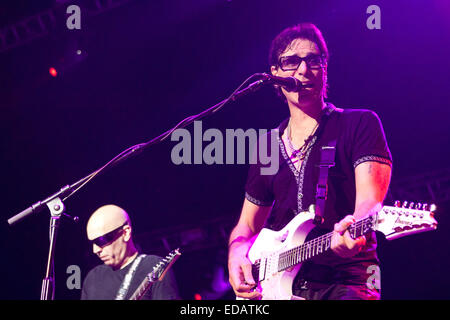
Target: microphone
{"points": [[289, 83]]}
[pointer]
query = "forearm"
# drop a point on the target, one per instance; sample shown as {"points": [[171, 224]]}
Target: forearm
{"points": [[372, 183], [239, 266], [240, 237], [367, 207], [250, 223]]}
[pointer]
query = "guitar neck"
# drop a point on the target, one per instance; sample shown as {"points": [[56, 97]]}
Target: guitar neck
{"points": [[158, 273], [319, 245], [142, 289]]}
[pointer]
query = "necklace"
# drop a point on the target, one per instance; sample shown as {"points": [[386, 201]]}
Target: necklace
{"points": [[300, 152]]}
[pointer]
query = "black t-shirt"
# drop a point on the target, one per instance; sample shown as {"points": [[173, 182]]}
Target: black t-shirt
{"points": [[290, 191], [103, 282]]}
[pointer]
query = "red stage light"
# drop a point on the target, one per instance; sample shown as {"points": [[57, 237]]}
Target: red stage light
{"points": [[197, 296], [53, 72]]}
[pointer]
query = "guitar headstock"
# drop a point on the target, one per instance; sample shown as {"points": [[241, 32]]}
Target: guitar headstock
{"points": [[160, 270], [407, 219]]}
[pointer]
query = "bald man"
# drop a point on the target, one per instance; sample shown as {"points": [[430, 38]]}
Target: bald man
{"points": [[109, 230]]}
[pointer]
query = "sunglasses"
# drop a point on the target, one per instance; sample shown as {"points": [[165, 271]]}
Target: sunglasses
{"points": [[313, 61], [109, 237]]}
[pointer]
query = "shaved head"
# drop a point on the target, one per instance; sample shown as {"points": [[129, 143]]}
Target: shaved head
{"points": [[120, 250], [106, 219]]}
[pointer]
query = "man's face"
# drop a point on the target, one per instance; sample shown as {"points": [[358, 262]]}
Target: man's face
{"points": [[311, 75], [109, 245]]}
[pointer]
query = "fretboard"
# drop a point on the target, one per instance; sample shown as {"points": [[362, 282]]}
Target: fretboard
{"points": [[142, 289], [319, 245]]}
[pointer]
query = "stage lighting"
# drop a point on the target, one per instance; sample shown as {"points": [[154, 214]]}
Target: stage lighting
{"points": [[53, 72], [197, 296]]}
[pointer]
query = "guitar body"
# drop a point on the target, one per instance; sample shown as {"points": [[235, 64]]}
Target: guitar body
{"points": [[274, 284]]}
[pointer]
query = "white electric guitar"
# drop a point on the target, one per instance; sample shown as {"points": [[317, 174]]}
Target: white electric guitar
{"points": [[274, 271]]}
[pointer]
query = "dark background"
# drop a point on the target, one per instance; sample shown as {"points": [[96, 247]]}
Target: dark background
{"points": [[145, 66]]}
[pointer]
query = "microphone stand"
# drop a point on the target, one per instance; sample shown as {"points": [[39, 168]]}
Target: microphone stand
{"points": [[56, 207], [55, 202]]}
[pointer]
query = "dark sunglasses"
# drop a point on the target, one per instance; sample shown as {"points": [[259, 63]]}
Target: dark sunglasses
{"points": [[313, 61], [109, 237]]}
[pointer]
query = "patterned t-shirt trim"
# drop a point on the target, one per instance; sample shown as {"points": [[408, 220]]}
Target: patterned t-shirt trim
{"points": [[299, 174], [372, 158], [257, 202]]}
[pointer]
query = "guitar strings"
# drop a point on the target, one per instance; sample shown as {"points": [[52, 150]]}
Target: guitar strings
{"points": [[308, 249]]}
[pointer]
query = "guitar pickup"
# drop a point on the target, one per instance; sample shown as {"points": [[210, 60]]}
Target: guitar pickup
{"points": [[262, 269]]}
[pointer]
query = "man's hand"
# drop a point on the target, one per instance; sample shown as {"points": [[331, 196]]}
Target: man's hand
{"points": [[341, 241], [240, 271], [249, 225]]}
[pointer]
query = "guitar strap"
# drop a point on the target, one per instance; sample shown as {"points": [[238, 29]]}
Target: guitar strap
{"points": [[128, 277], [327, 160]]}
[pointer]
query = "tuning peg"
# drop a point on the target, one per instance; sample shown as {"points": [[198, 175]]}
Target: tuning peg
{"points": [[418, 206], [425, 207], [405, 204], [397, 203], [433, 207], [411, 205]]}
